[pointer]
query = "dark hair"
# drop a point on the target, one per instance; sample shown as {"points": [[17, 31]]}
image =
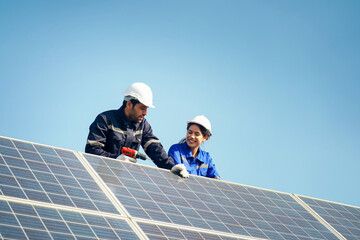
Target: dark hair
{"points": [[133, 101], [202, 129]]}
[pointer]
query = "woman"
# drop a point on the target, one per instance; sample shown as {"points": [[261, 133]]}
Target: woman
{"points": [[189, 153]]}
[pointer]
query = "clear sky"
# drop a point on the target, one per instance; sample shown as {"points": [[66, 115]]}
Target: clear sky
{"points": [[279, 81]]}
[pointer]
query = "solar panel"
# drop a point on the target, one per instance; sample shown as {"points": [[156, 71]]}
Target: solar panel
{"points": [[27, 221], [50, 175], [206, 204], [343, 218], [52, 193]]}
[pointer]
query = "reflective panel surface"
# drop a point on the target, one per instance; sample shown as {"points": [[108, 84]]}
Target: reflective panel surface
{"points": [[50, 175], [52, 193], [345, 219], [27, 221], [197, 202]]}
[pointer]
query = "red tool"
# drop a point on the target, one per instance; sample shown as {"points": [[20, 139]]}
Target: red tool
{"points": [[133, 153]]}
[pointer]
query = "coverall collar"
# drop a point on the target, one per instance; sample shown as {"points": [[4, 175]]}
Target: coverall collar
{"points": [[125, 119], [188, 153]]}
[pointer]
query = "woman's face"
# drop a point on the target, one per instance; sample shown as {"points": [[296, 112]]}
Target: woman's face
{"points": [[194, 137]]}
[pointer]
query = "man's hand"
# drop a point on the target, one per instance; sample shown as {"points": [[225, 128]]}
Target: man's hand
{"points": [[125, 158], [181, 170]]}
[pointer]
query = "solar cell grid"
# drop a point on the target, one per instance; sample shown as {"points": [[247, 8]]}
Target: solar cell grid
{"points": [[25, 173], [137, 212], [255, 232], [6, 142], [344, 219], [177, 200], [6, 151], [179, 219], [208, 199], [143, 178], [158, 216], [241, 204], [161, 182], [258, 207], [196, 187], [213, 205], [141, 194], [158, 198], [212, 209], [24, 146], [218, 225], [33, 156], [45, 150], [127, 174], [172, 232], [22, 221]]}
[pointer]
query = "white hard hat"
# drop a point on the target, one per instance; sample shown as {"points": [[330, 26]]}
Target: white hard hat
{"points": [[203, 121], [141, 92]]}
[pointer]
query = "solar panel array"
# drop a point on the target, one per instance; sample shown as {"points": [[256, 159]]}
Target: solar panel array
{"points": [[52, 193], [345, 219]]}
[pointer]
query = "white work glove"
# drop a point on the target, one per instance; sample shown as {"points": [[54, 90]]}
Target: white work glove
{"points": [[181, 170], [125, 158]]}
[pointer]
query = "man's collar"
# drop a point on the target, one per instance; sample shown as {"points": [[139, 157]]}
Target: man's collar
{"points": [[125, 119]]}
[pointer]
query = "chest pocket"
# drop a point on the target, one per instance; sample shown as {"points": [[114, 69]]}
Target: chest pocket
{"points": [[136, 141], [118, 141], [203, 170]]}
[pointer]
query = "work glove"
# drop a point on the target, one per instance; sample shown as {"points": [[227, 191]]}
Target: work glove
{"points": [[181, 170], [125, 158]]}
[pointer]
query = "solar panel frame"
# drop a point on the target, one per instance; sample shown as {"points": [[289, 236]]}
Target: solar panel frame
{"points": [[160, 231]]}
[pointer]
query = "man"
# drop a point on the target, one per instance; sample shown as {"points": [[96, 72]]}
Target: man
{"points": [[127, 127]]}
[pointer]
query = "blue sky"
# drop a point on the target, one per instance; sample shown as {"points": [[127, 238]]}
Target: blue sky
{"points": [[279, 81]]}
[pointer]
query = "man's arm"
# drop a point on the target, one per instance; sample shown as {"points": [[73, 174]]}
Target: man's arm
{"points": [[154, 149], [97, 138]]}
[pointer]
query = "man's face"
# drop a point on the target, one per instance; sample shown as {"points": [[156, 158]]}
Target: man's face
{"points": [[136, 113]]}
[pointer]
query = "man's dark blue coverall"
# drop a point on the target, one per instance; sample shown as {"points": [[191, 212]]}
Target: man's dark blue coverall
{"points": [[112, 130]]}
